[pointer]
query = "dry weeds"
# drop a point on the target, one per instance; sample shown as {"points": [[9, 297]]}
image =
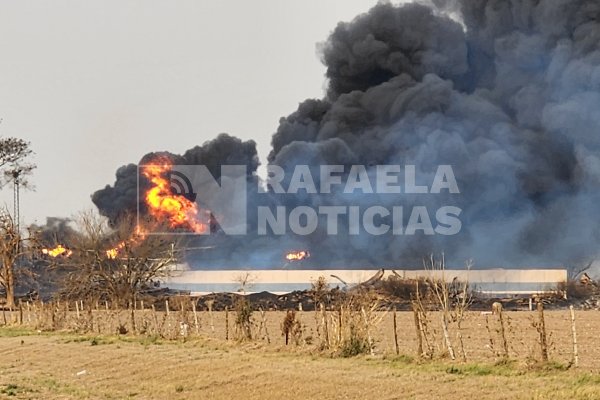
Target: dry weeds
{"points": [[40, 365]]}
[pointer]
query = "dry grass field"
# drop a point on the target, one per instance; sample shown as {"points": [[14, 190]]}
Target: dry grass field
{"points": [[64, 365]]}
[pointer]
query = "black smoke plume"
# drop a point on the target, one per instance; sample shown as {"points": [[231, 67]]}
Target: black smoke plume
{"points": [[507, 92], [121, 199], [55, 231]]}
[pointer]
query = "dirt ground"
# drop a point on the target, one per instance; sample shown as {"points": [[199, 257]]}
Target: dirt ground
{"points": [[54, 365]]}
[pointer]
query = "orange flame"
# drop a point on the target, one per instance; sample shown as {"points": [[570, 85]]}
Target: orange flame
{"points": [[59, 250], [164, 205], [138, 235], [297, 255], [112, 253]]}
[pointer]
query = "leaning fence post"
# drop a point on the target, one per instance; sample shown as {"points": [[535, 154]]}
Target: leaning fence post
{"points": [[396, 333], [264, 324], [417, 317], [340, 325]]}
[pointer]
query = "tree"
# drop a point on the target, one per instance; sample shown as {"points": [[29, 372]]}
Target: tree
{"points": [[13, 155], [12, 249], [116, 263], [441, 291], [574, 270], [13, 150]]}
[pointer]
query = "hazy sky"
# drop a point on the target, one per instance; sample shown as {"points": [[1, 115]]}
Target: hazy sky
{"points": [[97, 84]]}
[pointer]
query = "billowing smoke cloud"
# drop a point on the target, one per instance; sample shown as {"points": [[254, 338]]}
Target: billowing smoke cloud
{"points": [[506, 92], [55, 231], [122, 198]]}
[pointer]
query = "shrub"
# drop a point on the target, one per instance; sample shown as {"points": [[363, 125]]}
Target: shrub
{"points": [[577, 290], [243, 319], [291, 327], [405, 289], [355, 343]]}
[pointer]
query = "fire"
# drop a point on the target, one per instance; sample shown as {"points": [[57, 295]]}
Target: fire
{"points": [[138, 235], [297, 255], [59, 250], [114, 252], [164, 205]]}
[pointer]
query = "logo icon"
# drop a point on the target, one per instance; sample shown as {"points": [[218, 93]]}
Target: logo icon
{"points": [[181, 185]]}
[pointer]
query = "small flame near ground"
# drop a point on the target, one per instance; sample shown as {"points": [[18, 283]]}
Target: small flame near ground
{"points": [[137, 236], [297, 255], [163, 205], [59, 250]]}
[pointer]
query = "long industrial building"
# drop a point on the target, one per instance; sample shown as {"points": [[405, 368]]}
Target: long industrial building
{"points": [[486, 281]]}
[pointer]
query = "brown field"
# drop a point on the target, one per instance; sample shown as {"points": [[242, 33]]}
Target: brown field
{"points": [[45, 365]]}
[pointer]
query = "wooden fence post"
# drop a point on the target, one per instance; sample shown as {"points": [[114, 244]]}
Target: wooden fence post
{"points": [[195, 317], [396, 333], [574, 333], [210, 303], [226, 323], [156, 330], [503, 331], [542, 332], [417, 317]]}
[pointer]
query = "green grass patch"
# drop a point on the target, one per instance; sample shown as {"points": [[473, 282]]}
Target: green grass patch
{"points": [[548, 367], [473, 369], [10, 390], [498, 369], [116, 339], [401, 359], [13, 390], [587, 379], [16, 331]]}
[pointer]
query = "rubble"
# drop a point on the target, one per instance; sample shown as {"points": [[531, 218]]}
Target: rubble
{"points": [[396, 291]]}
